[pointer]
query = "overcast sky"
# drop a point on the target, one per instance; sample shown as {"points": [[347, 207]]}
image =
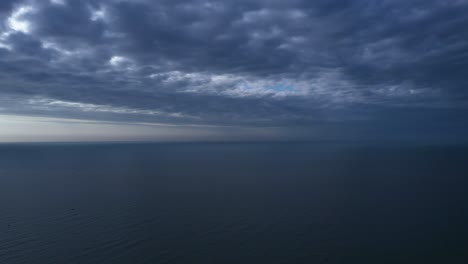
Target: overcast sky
{"points": [[234, 69]]}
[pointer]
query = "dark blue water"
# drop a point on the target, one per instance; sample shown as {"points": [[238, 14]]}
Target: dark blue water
{"points": [[233, 203]]}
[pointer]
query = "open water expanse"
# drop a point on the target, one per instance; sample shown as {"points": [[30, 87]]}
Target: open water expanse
{"points": [[233, 203]]}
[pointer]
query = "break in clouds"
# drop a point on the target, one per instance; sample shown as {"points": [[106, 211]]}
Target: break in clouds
{"points": [[386, 63]]}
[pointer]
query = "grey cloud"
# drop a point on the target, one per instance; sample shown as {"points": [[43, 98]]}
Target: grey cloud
{"points": [[277, 63], [6, 6]]}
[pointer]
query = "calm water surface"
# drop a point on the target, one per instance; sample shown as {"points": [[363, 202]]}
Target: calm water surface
{"points": [[233, 203]]}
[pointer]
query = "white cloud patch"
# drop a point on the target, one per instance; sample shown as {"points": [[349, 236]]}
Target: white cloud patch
{"points": [[329, 86], [98, 14], [3, 44], [122, 63], [228, 84], [50, 104], [17, 21], [58, 2]]}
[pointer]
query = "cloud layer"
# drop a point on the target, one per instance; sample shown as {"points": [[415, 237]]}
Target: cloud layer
{"points": [[255, 63]]}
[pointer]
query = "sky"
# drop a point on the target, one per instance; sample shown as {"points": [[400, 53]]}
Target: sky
{"points": [[121, 70]]}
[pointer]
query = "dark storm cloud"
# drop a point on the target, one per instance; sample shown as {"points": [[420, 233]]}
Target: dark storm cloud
{"points": [[258, 62]]}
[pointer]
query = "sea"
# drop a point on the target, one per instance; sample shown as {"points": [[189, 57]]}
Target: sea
{"points": [[237, 202]]}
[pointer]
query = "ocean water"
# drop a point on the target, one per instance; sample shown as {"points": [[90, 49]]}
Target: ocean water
{"points": [[233, 203]]}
